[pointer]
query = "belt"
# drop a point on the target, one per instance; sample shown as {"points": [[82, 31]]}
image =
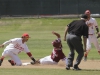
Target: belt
{"points": [[90, 34], [72, 33], [75, 34]]}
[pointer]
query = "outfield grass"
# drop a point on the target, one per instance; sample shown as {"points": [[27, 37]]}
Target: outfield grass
{"points": [[40, 32], [39, 43]]}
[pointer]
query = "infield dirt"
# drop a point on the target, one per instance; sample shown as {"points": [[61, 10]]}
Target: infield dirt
{"points": [[89, 64]]}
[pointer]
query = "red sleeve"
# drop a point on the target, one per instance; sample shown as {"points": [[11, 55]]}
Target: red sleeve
{"points": [[29, 54]]}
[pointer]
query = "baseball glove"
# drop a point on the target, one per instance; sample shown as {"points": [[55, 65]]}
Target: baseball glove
{"points": [[32, 62], [36, 62]]}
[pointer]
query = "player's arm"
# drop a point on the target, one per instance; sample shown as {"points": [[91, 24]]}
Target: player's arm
{"points": [[9, 41], [97, 29], [58, 35], [85, 36], [5, 43], [31, 57], [98, 33], [84, 41], [96, 25], [66, 30], [1, 46], [29, 53]]}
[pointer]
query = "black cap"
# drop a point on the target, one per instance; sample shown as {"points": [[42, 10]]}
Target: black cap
{"points": [[84, 16]]}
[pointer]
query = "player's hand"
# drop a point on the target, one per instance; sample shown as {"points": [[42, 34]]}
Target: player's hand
{"points": [[53, 32], [36, 62], [64, 39], [98, 34], [1, 46], [99, 52]]}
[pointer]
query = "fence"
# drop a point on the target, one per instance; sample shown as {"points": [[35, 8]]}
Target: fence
{"points": [[48, 7]]}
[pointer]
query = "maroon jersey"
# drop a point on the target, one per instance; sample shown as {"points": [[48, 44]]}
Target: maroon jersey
{"points": [[57, 54]]}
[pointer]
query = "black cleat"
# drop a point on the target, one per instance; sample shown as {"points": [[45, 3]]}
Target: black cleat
{"points": [[67, 68], [11, 62], [76, 68]]}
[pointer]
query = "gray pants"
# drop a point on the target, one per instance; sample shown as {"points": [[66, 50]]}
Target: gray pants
{"points": [[75, 43]]}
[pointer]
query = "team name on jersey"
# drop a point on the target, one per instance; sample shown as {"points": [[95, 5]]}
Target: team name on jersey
{"points": [[17, 46], [90, 24]]}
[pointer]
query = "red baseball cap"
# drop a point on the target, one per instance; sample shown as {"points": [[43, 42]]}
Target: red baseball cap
{"points": [[26, 35], [87, 12]]}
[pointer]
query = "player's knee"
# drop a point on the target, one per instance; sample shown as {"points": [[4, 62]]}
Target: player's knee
{"points": [[18, 64]]}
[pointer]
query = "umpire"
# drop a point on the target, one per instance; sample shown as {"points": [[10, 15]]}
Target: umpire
{"points": [[75, 30]]}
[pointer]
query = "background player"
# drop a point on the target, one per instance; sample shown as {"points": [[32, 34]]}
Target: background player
{"points": [[15, 46], [57, 53], [92, 24]]}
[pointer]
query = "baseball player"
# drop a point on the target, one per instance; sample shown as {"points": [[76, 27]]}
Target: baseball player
{"points": [[56, 55], [13, 48], [92, 24]]}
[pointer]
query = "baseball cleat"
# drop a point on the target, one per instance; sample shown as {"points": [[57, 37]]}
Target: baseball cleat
{"points": [[76, 68], [11, 62], [67, 68]]}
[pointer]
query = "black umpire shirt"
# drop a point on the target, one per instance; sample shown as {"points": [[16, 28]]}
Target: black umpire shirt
{"points": [[78, 27]]}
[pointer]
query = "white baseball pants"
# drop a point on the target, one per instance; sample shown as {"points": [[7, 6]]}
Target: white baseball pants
{"points": [[47, 60], [13, 57], [92, 39]]}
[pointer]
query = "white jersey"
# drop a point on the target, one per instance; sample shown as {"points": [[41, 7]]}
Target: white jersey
{"points": [[92, 25], [16, 46], [92, 37]]}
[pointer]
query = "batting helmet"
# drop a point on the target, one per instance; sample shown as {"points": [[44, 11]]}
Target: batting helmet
{"points": [[56, 43]]}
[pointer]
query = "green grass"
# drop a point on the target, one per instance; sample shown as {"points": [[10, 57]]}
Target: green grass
{"points": [[40, 32], [40, 43], [35, 71]]}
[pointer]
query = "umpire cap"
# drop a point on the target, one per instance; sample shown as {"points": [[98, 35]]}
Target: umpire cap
{"points": [[84, 16]]}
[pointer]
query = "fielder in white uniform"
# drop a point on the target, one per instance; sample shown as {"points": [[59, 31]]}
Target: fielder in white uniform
{"points": [[13, 48], [92, 24], [56, 55]]}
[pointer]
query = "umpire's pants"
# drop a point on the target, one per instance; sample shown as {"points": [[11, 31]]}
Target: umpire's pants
{"points": [[75, 43]]}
